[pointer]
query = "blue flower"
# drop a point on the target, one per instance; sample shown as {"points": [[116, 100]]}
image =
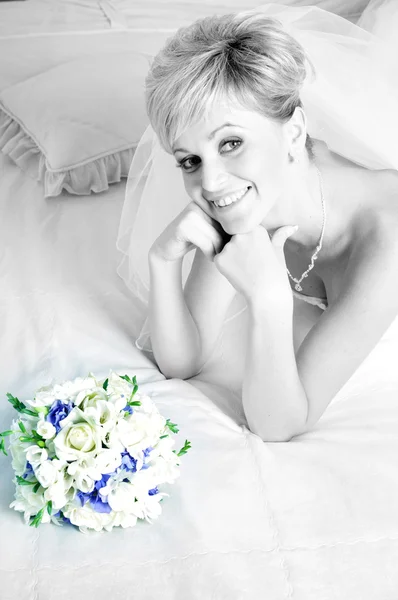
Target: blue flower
{"points": [[146, 453], [60, 515], [59, 411], [153, 491], [97, 502], [28, 470], [128, 409], [128, 462]]}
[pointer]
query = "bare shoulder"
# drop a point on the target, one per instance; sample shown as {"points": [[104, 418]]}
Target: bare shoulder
{"points": [[369, 197], [378, 217], [375, 249]]}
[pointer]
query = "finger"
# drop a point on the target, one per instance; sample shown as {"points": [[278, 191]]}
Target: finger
{"points": [[209, 219], [280, 236], [209, 244]]}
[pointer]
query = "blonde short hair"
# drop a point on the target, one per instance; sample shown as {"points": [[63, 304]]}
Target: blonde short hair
{"points": [[246, 57]]}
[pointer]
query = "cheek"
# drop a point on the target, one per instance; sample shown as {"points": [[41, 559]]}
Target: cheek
{"points": [[272, 172]]}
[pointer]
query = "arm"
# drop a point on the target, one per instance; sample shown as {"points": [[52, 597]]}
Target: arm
{"points": [[185, 324], [285, 395], [174, 335]]}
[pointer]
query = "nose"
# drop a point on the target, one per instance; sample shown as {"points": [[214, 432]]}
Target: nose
{"points": [[214, 177]]}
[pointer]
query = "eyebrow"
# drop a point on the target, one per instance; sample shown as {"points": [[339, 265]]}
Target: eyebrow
{"points": [[210, 137]]}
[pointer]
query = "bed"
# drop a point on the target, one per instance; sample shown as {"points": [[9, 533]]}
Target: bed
{"points": [[315, 518]]}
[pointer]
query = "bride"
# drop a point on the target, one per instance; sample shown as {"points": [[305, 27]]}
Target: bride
{"points": [[272, 213]]}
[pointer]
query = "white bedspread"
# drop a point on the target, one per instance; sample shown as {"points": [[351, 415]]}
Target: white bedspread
{"points": [[312, 519]]}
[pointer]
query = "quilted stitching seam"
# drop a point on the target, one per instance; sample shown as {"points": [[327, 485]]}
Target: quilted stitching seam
{"points": [[275, 531]]}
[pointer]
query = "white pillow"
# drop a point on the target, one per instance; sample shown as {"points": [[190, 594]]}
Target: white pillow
{"points": [[76, 125]]}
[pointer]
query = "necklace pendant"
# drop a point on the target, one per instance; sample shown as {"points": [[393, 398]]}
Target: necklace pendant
{"points": [[298, 287]]}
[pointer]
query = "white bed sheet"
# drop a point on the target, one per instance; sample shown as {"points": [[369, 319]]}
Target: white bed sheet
{"points": [[313, 519]]}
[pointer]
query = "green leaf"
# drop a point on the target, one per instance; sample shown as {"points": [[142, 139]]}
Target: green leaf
{"points": [[185, 448], [2, 447], [105, 384], [15, 402], [37, 519], [49, 507], [5, 433], [35, 489], [172, 426], [26, 439], [163, 436], [132, 381], [27, 411], [22, 481], [22, 427], [134, 402]]}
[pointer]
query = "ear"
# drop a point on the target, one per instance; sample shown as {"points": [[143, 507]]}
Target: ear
{"points": [[296, 132]]}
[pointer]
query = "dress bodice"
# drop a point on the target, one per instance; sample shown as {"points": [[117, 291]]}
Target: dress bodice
{"points": [[321, 302]]}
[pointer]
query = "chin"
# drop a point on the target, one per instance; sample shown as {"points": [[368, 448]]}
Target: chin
{"points": [[243, 226]]}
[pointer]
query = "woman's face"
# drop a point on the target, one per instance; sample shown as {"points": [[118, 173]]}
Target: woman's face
{"points": [[238, 154]]}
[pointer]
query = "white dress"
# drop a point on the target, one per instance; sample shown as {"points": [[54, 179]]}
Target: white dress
{"points": [[352, 106]]}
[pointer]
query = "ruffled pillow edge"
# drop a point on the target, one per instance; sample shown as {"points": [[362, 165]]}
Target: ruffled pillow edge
{"points": [[92, 176]]}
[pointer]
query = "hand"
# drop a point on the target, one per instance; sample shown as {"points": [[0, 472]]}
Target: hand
{"points": [[255, 265], [191, 228]]}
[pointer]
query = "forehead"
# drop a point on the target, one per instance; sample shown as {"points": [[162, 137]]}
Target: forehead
{"points": [[216, 115]]}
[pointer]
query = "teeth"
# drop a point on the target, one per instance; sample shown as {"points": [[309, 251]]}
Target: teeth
{"points": [[230, 199]]}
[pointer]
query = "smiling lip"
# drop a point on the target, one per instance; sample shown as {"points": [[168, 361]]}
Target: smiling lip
{"points": [[230, 206]]}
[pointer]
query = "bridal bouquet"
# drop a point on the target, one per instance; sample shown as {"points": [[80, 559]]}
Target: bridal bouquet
{"points": [[91, 453]]}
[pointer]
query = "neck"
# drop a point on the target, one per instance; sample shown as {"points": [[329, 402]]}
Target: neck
{"points": [[300, 204]]}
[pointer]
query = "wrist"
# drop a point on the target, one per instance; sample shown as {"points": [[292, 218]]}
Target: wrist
{"points": [[263, 303], [156, 258]]}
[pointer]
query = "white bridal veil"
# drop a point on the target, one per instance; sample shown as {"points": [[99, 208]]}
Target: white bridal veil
{"points": [[351, 104]]}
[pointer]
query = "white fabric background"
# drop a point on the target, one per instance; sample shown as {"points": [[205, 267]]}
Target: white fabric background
{"points": [[313, 519]]}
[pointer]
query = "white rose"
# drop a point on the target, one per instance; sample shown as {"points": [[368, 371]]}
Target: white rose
{"points": [[78, 437], [140, 431], [45, 428], [128, 435], [90, 397]]}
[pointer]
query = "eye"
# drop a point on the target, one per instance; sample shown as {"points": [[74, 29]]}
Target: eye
{"points": [[184, 164], [239, 142]]}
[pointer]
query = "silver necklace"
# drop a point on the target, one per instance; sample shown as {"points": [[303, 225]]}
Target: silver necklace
{"points": [[319, 246]]}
